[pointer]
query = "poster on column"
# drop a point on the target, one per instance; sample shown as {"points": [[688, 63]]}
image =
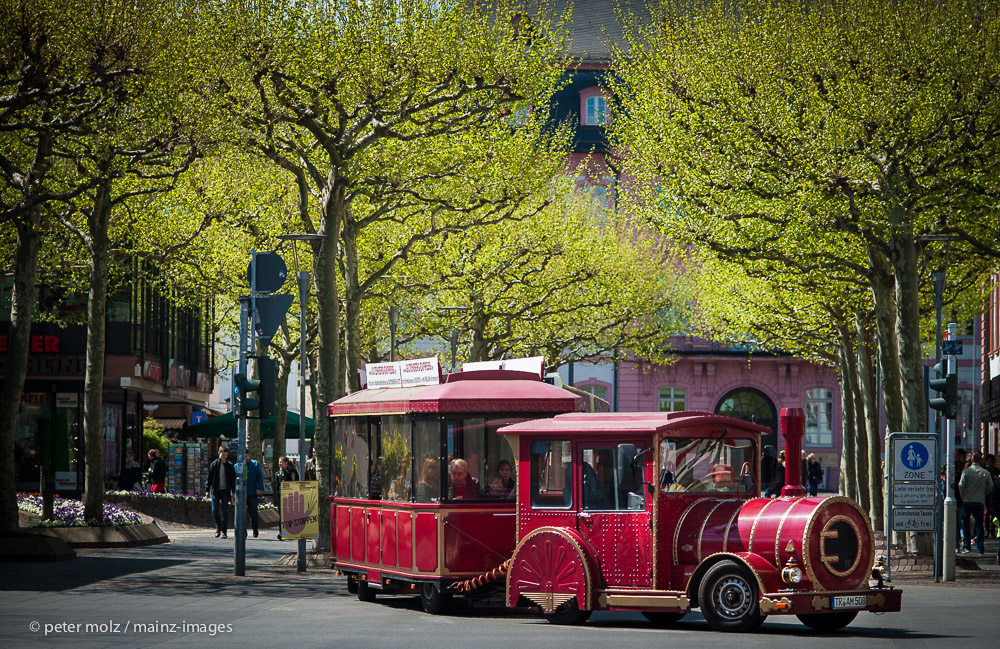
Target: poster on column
{"points": [[300, 510]]}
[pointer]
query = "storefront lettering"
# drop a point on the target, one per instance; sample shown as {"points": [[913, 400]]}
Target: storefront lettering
{"points": [[36, 344], [51, 365]]}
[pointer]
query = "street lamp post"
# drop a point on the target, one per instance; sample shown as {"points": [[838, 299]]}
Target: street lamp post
{"points": [[302, 279], [944, 557], [453, 338]]}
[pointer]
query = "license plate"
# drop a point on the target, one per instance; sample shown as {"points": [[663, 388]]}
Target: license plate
{"points": [[850, 601]]}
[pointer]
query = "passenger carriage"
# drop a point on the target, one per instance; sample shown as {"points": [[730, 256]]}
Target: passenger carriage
{"points": [[398, 523]]}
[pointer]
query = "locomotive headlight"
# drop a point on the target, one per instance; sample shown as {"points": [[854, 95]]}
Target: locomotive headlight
{"points": [[791, 574]]}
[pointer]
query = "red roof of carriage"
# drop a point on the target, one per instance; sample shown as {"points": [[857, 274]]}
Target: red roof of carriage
{"points": [[579, 423], [484, 391]]}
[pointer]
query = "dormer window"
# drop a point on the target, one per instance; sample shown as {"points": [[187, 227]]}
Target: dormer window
{"points": [[593, 107]]}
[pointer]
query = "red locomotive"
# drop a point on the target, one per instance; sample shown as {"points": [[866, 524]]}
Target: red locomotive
{"points": [[649, 512]]}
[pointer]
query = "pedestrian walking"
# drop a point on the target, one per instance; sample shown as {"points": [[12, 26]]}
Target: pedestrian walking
{"points": [[975, 485], [254, 488], [221, 483], [156, 469]]}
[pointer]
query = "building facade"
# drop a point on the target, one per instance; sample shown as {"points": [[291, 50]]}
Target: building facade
{"points": [[158, 364]]}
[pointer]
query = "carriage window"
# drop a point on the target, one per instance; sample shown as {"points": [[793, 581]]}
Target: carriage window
{"points": [[352, 447], [480, 463], [427, 456], [714, 465], [607, 482], [396, 458], [551, 474]]}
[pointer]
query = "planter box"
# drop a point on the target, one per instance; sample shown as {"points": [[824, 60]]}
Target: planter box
{"points": [[118, 536]]}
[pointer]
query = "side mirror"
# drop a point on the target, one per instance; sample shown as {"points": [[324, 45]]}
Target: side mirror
{"points": [[628, 469]]}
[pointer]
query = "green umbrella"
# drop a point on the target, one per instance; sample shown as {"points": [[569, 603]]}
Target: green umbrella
{"points": [[225, 426]]}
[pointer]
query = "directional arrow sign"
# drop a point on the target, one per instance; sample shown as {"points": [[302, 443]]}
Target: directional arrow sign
{"points": [[270, 313]]}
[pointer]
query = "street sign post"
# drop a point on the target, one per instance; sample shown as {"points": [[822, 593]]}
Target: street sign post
{"points": [[913, 484]]}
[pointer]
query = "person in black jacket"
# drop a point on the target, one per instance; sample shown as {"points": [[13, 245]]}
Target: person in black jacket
{"points": [[221, 484], [285, 473], [157, 471]]}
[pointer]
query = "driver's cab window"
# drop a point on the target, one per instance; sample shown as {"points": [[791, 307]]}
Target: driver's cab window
{"points": [[712, 465], [611, 479], [551, 474]]}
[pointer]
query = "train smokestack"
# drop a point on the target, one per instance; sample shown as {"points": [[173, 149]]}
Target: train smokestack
{"points": [[793, 427]]}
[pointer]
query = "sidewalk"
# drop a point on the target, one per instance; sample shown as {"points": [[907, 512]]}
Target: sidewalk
{"points": [[972, 570]]}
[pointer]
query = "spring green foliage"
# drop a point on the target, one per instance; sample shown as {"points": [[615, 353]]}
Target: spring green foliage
{"points": [[570, 283], [817, 141]]}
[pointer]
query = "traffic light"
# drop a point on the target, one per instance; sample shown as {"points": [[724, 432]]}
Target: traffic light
{"points": [[947, 386], [266, 370], [246, 395]]}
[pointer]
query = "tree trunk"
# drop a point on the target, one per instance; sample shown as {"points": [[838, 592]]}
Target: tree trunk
{"points": [[848, 458], [23, 297], [329, 381], [860, 427], [869, 397], [97, 302], [884, 293], [911, 375], [352, 308]]}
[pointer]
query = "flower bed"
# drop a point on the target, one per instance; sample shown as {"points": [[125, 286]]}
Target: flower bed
{"points": [[263, 503], [67, 512]]}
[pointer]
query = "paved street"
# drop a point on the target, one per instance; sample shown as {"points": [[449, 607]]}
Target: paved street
{"points": [[180, 590]]}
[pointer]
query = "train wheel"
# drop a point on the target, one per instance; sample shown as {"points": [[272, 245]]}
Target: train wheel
{"points": [[568, 614], [433, 600], [352, 584], [828, 622], [661, 618], [728, 598], [365, 592]]}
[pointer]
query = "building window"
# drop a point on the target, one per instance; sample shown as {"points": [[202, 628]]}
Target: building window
{"points": [[593, 107], [672, 399], [599, 391], [597, 112], [819, 417]]}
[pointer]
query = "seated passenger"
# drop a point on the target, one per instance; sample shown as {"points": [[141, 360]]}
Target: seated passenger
{"points": [[722, 478], [429, 487], [462, 486], [498, 487], [506, 472]]}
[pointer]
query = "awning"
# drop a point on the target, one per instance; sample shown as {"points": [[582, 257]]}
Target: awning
{"points": [[225, 426], [170, 424]]}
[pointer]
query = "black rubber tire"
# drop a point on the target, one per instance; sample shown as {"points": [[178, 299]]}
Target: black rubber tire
{"points": [[827, 622], [433, 600], [662, 618], [352, 584], [365, 592], [729, 598], [568, 614]]}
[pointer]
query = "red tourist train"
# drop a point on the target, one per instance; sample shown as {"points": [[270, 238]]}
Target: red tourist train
{"points": [[651, 512]]}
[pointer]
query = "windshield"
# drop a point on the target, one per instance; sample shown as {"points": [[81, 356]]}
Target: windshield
{"points": [[705, 465]]}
